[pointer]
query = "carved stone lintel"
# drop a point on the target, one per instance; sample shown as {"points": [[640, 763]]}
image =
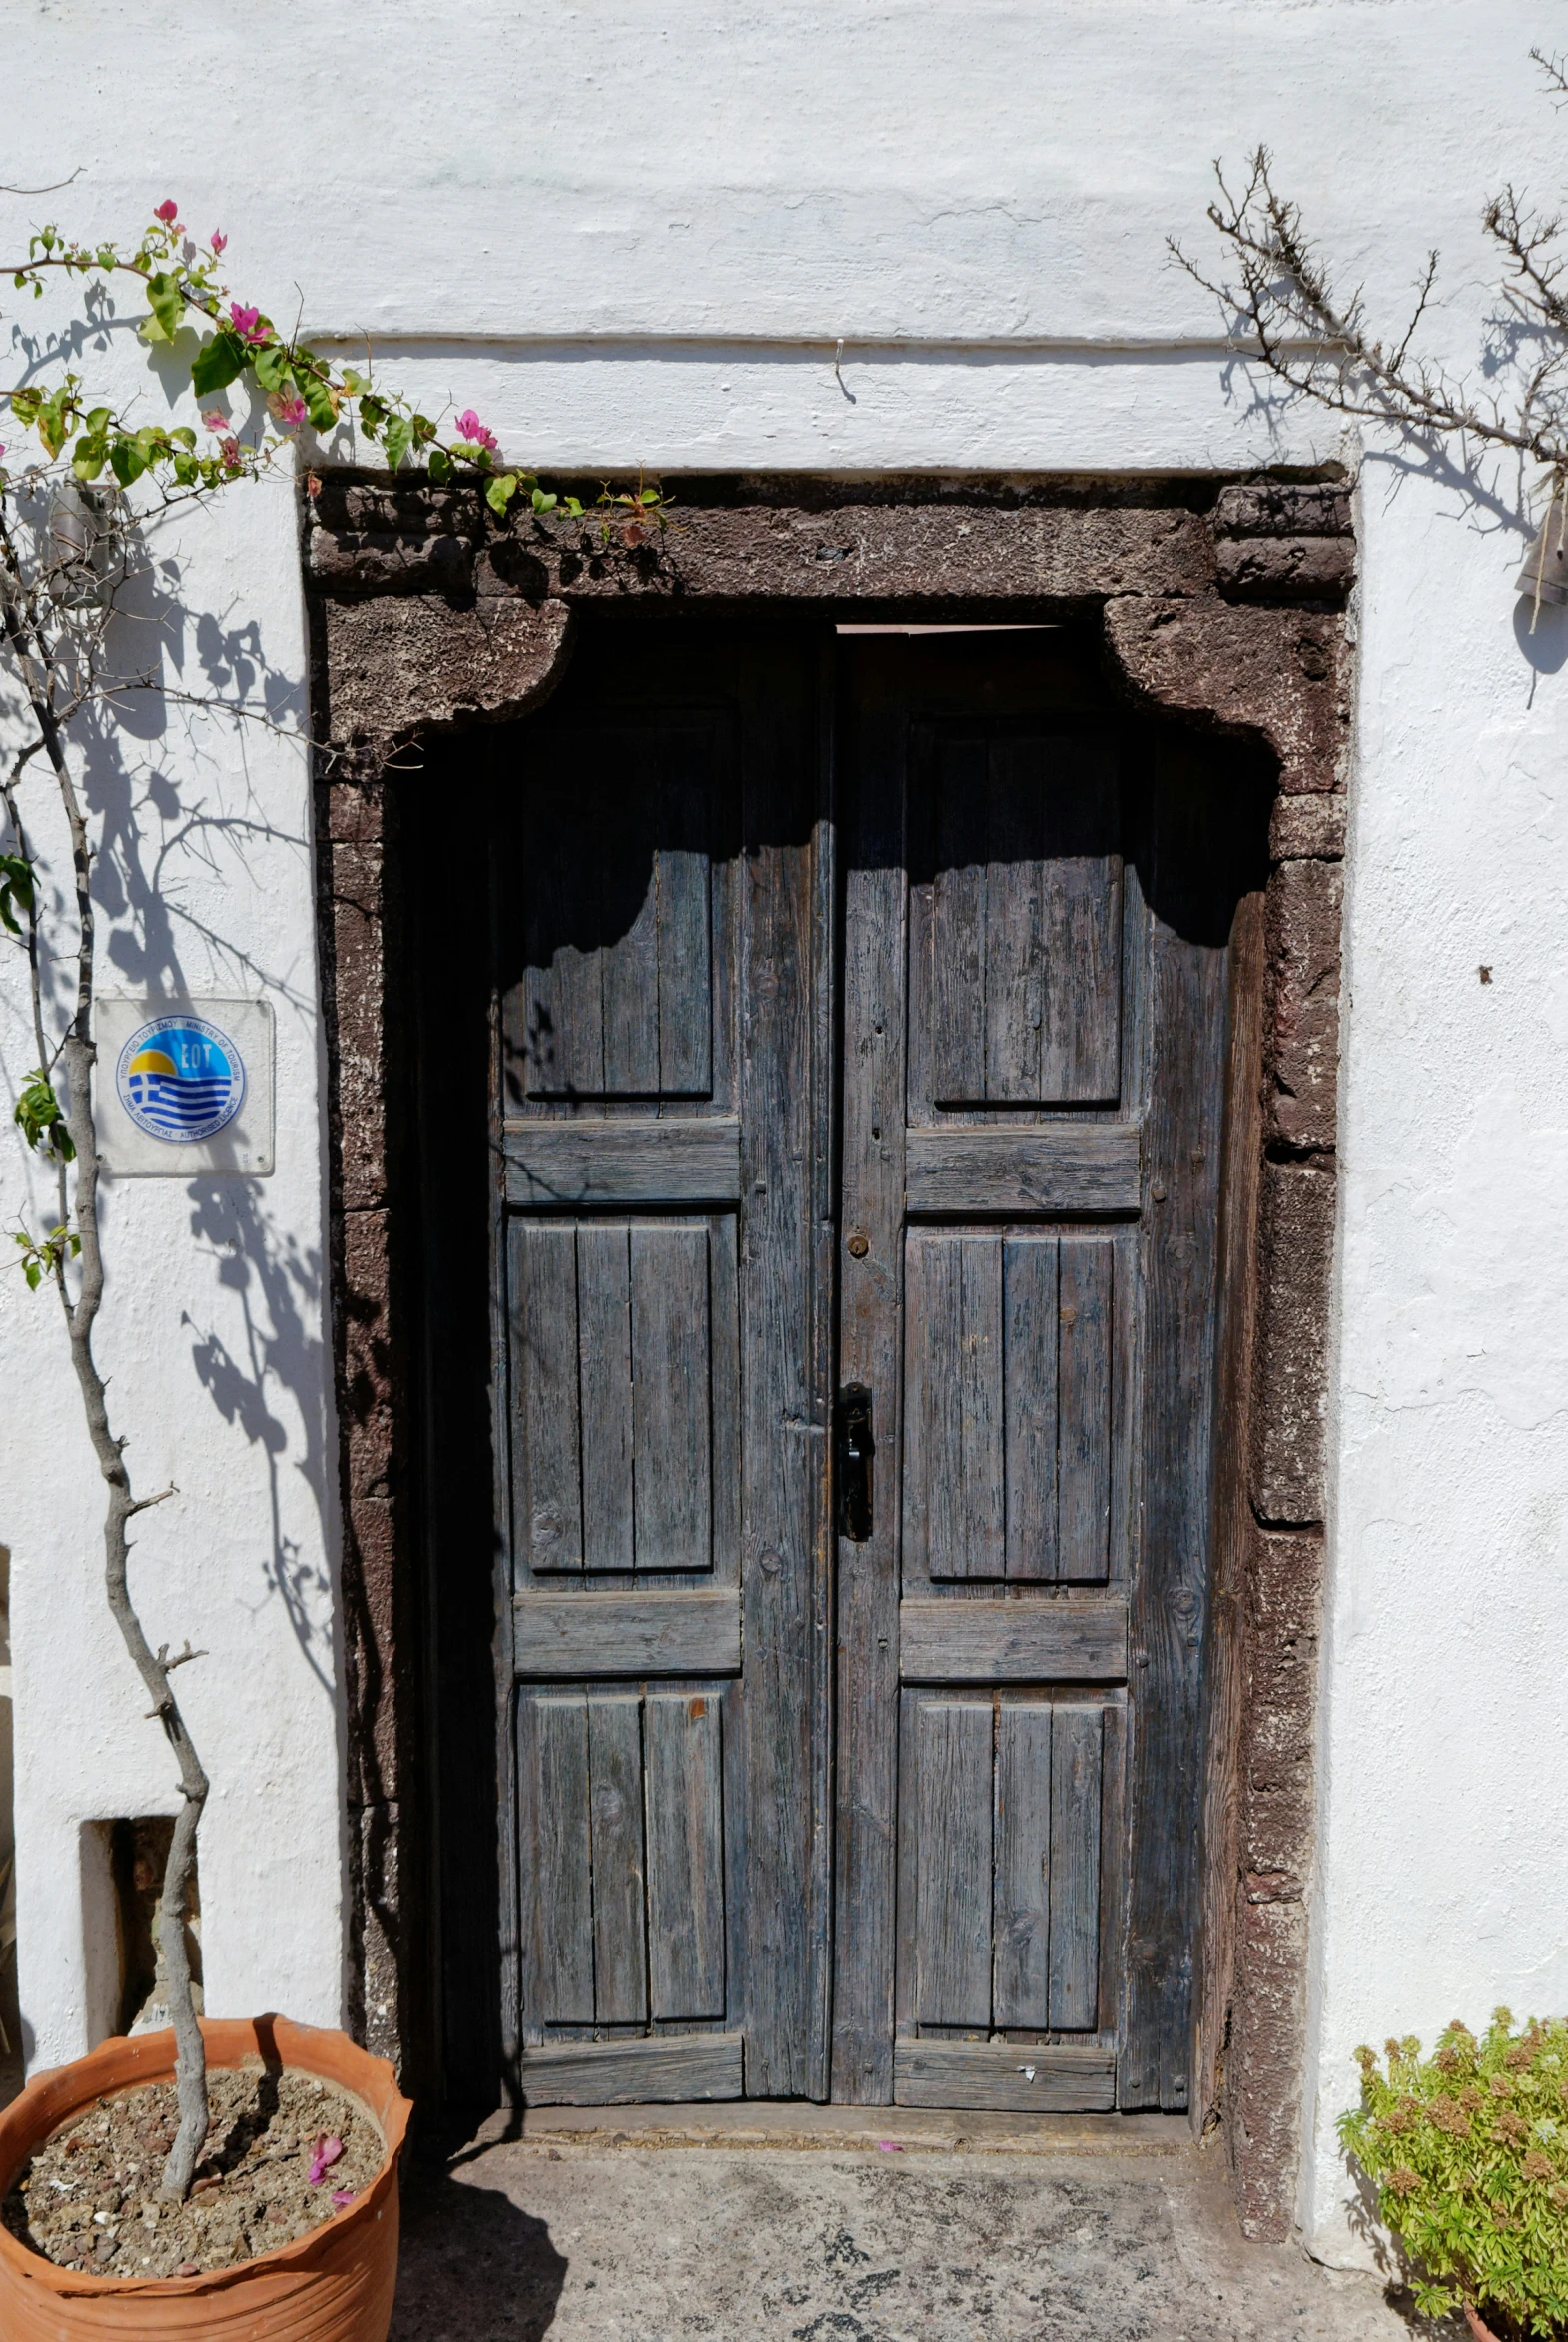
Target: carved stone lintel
{"points": [[400, 666], [1276, 672]]}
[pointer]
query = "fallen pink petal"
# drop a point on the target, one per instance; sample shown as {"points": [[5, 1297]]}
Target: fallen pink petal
{"points": [[342, 2196], [327, 2153]]}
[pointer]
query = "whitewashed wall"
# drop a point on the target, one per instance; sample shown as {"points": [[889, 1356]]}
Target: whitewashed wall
{"points": [[629, 234]]}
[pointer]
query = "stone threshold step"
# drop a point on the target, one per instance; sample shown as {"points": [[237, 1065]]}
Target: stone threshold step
{"points": [[775, 2122]]}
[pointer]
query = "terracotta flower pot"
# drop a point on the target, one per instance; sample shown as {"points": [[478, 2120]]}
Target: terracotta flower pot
{"points": [[334, 2285]]}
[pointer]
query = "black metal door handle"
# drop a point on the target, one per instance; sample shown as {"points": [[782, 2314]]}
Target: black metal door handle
{"points": [[855, 1451]]}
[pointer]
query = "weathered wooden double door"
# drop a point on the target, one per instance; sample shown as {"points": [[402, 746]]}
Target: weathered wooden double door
{"points": [[862, 1029]]}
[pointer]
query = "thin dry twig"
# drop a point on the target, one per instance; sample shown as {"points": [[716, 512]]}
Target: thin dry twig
{"points": [[1284, 310]]}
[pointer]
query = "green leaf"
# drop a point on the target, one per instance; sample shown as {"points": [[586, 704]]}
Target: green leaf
{"points": [[499, 492], [220, 360], [89, 456], [185, 471], [39, 1118], [542, 503], [54, 420], [397, 438], [25, 405], [168, 302], [272, 361], [33, 1273], [126, 461], [317, 402], [16, 889], [439, 465], [373, 413]]}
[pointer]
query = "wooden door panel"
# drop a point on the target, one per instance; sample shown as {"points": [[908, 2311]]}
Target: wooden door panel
{"points": [[622, 1794], [618, 994], [1010, 1864], [1010, 1406], [1016, 920], [626, 1370]]}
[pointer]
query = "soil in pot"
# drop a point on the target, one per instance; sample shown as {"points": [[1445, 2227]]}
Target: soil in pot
{"points": [[283, 2152]]}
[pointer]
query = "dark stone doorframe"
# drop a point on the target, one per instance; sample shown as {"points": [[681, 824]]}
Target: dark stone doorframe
{"points": [[1220, 603]]}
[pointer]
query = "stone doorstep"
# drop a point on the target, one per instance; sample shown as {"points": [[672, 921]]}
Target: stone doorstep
{"points": [[799, 2125]]}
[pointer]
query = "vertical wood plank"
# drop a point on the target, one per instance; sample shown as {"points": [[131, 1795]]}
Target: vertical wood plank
{"points": [[605, 1315], [979, 1375], [630, 950], [1112, 1865], [672, 1371], [942, 1324], [550, 1396], [685, 944], [620, 1980], [1081, 1053], [564, 1844], [1022, 1920], [1192, 903], [685, 1825], [872, 1351], [1029, 1382], [958, 921], [564, 1007], [1075, 1869], [919, 1272], [1015, 992], [1084, 1502], [1082, 915], [724, 1305], [565, 923], [783, 1405], [954, 1893]]}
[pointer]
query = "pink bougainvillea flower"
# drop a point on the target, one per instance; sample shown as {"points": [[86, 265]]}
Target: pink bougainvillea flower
{"points": [[288, 411], [246, 322], [325, 2154], [228, 449], [215, 422], [218, 240], [168, 211], [474, 431], [341, 2196]]}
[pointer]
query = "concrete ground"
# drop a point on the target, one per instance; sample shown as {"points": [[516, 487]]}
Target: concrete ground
{"points": [[833, 2225]]}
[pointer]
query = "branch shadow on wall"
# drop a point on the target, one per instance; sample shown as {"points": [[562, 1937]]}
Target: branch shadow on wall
{"points": [[167, 852]]}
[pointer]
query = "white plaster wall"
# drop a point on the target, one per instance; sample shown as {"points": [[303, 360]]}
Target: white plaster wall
{"points": [[630, 234]]}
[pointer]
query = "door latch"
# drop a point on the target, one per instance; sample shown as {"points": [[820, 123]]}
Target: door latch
{"points": [[855, 1451]]}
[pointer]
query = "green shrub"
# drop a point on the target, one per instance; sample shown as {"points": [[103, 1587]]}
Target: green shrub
{"points": [[1469, 2151]]}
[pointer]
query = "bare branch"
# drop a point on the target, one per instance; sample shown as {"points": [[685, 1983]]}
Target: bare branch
{"points": [[146, 1503], [53, 188], [1282, 308]]}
